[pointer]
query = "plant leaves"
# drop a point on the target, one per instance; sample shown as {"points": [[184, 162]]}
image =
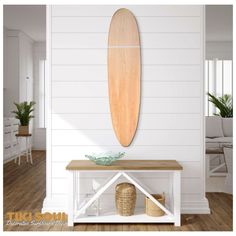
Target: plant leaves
{"points": [[23, 112], [224, 104]]}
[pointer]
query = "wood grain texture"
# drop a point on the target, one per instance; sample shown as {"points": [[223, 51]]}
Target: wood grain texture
{"points": [[126, 165], [124, 75], [29, 181]]}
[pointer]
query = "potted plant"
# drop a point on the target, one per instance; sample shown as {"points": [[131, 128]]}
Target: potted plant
{"points": [[23, 114], [224, 104]]}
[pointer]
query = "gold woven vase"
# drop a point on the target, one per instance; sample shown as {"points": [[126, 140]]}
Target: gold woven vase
{"points": [[125, 199]]}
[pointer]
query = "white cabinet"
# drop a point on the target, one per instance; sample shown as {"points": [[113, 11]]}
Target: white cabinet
{"points": [[10, 147]]}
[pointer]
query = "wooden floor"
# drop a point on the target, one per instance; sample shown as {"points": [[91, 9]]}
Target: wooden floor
{"points": [[24, 190]]}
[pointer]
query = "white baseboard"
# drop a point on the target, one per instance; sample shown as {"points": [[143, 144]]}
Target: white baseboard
{"points": [[188, 207]]}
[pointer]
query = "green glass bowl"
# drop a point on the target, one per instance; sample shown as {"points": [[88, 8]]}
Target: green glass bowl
{"points": [[105, 159]]}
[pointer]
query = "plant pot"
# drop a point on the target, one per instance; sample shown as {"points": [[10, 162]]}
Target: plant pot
{"points": [[23, 130]]}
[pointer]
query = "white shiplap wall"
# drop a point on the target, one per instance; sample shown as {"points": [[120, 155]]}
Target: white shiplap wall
{"points": [[171, 118]]}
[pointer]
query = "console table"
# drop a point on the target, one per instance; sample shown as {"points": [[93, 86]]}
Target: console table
{"points": [[124, 168]]}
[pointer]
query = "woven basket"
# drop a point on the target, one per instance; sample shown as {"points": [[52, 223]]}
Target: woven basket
{"points": [[125, 199], [151, 208]]}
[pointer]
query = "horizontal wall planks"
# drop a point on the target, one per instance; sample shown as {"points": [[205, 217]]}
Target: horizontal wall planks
{"points": [[148, 105], [170, 124], [165, 73], [155, 40], [146, 121], [180, 153], [87, 185], [149, 56], [157, 185], [143, 137], [80, 89], [108, 201], [149, 89], [138, 10], [145, 24]]}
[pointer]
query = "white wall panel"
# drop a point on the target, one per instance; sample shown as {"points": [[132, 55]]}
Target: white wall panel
{"points": [[149, 56], [171, 115], [154, 40], [142, 10], [157, 185], [107, 201], [170, 40], [94, 73], [145, 24], [149, 89], [185, 153], [146, 121], [80, 89], [148, 105], [142, 137]]}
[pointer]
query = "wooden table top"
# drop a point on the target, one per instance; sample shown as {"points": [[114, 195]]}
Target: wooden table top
{"points": [[126, 165]]}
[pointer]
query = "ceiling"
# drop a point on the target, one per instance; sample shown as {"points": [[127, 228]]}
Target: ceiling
{"points": [[219, 23], [31, 19]]}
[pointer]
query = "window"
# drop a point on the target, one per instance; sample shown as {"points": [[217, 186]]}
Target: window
{"points": [[218, 81], [41, 93]]}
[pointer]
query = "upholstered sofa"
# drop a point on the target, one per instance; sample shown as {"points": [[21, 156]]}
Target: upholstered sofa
{"points": [[219, 131]]}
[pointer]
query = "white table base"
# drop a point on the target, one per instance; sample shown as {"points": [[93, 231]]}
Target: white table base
{"points": [[76, 209]]}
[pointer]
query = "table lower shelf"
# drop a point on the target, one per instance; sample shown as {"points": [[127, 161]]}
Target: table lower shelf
{"points": [[112, 217]]}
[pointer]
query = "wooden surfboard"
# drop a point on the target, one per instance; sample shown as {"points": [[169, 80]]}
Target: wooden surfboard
{"points": [[124, 70]]}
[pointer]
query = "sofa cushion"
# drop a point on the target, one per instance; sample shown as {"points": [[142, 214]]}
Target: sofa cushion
{"points": [[214, 127], [227, 127]]}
